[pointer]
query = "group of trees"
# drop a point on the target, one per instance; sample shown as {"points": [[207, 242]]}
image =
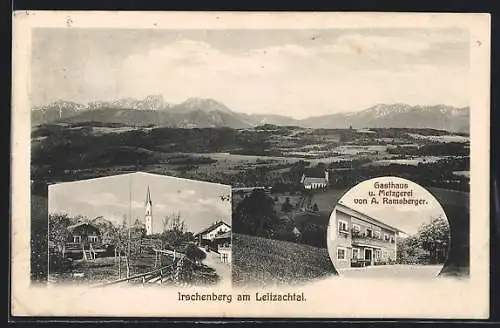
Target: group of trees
{"points": [[124, 238], [255, 215], [433, 149], [175, 234], [429, 246], [59, 147], [438, 174]]}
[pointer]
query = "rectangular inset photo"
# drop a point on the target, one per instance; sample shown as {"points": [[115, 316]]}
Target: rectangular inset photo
{"points": [[139, 229]]}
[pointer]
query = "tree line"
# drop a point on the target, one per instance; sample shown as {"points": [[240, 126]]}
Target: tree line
{"points": [[428, 246], [255, 215]]}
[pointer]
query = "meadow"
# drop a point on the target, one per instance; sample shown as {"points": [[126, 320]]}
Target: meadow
{"points": [[263, 262]]}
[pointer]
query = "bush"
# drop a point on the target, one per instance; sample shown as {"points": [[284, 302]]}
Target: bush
{"points": [[193, 253], [313, 234], [59, 264]]}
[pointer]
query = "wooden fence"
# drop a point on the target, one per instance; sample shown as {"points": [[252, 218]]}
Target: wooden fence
{"points": [[159, 252], [153, 276]]}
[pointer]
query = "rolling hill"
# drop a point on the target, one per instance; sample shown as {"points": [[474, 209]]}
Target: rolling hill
{"points": [[259, 261], [192, 119]]}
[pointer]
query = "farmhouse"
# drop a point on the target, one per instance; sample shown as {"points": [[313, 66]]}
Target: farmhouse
{"points": [[357, 239], [84, 240], [84, 233], [207, 236], [313, 180]]}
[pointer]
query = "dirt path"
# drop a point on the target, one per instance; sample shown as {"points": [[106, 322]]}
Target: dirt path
{"points": [[223, 269]]}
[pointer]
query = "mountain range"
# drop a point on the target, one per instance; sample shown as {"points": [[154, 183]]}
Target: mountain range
{"points": [[202, 112]]}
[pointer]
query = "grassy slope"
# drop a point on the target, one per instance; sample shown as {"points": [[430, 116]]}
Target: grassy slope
{"points": [[259, 261]]}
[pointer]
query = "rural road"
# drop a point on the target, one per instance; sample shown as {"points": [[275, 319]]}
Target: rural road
{"points": [[223, 269]]}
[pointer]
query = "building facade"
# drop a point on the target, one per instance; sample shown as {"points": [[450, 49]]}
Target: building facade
{"points": [[84, 234], [206, 237], [358, 240], [313, 182], [84, 242], [223, 242]]}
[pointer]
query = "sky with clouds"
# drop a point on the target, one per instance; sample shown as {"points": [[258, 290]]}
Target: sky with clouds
{"points": [[198, 203], [405, 217], [292, 72]]}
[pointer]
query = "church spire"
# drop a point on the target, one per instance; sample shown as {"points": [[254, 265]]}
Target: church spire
{"points": [[148, 198], [148, 217]]}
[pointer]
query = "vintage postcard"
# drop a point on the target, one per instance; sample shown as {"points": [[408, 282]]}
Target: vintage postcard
{"points": [[244, 164]]}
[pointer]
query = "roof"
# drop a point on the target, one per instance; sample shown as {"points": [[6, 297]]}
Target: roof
{"points": [[212, 227], [74, 226], [224, 235], [372, 218], [308, 180], [314, 173]]}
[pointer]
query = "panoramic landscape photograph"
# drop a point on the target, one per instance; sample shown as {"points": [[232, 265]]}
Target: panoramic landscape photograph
{"points": [[289, 119]]}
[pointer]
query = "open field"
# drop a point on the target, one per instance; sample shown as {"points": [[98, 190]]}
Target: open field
{"points": [[104, 269], [63, 153], [327, 200], [259, 261]]}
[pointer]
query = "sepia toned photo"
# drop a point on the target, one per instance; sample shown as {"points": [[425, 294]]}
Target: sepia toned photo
{"points": [[139, 228], [372, 236], [246, 161]]}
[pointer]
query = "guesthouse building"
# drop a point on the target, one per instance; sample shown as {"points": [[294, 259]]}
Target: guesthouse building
{"points": [[359, 240]]}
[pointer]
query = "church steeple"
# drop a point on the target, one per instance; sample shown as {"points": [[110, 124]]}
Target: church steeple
{"points": [[148, 217], [148, 198]]}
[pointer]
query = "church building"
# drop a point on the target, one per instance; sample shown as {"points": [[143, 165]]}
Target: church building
{"points": [[313, 180]]}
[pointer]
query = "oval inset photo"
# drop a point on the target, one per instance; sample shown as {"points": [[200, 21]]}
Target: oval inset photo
{"points": [[388, 227]]}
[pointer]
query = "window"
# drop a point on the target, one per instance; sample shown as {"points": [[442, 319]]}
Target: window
{"points": [[369, 233], [77, 239], [355, 253], [342, 226], [93, 239], [356, 228], [341, 253], [377, 234], [392, 240], [386, 236]]}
